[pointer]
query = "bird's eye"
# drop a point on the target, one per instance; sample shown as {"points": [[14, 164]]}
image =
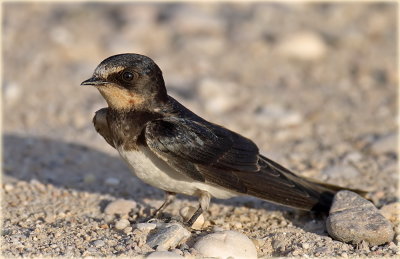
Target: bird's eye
{"points": [[127, 76]]}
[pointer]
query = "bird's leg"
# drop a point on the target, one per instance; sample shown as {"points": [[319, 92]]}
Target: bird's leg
{"points": [[169, 198], [204, 203]]}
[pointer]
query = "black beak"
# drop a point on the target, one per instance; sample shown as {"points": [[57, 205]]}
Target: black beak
{"points": [[94, 81]]}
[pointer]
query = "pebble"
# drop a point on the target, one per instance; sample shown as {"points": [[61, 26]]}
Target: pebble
{"points": [[41, 187], [339, 171], [385, 144], [146, 226], [353, 219], [218, 96], [121, 224], [353, 157], [278, 244], [363, 246], [112, 181], [8, 187], [226, 244], [104, 226], [184, 247], [191, 20], [393, 246], [164, 254], [276, 114], [303, 46], [61, 35], [12, 92], [92, 250], [237, 225], [16, 237], [167, 236], [177, 251], [98, 243], [187, 212], [391, 212], [120, 206], [109, 218], [128, 230]]}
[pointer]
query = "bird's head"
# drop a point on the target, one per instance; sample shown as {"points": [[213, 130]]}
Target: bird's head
{"points": [[129, 82]]}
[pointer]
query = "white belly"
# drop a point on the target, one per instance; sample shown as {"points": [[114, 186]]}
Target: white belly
{"points": [[152, 170]]}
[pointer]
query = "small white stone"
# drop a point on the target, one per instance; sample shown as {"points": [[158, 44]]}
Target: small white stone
{"points": [[109, 218], [99, 243], [303, 45], [187, 212], [353, 157], [120, 206], [164, 254], [168, 236], [61, 35], [191, 21], [337, 171], [391, 212], [91, 250], [12, 92], [8, 187], [121, 224], [177, 251], [146, 226], [226, 244], [237, 225], [112, 181], [276, 114], [305, 245], [128, 230], [218, 96]]}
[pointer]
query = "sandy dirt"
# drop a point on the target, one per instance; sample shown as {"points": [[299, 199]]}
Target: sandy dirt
{"points": [[314, 85]]}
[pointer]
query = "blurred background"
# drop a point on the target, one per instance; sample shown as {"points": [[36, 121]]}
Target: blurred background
{"points": [[314, 85], [309, 82]]}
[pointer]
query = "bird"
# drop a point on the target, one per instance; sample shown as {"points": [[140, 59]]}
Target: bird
{"points": [[171, 148]]}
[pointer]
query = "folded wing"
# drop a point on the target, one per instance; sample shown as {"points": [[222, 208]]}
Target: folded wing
{"points": [[209, 153]]}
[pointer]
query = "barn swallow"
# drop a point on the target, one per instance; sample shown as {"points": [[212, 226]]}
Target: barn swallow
{"points": [[169, 147]]}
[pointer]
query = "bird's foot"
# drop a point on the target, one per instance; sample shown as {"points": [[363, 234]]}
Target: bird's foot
{"points": [[193, 218], [159, 217]]}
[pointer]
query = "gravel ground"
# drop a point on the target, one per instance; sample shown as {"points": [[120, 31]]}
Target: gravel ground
{"points": [[314, 85]]}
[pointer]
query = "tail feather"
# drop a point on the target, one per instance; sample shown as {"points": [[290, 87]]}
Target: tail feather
{"points": [[278, 184]]}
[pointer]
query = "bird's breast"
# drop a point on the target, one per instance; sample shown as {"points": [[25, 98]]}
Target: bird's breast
{"points": [[153, 171]]}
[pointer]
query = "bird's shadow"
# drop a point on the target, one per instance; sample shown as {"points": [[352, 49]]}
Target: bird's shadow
{"points": [[78, 167], [69, 166]]}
